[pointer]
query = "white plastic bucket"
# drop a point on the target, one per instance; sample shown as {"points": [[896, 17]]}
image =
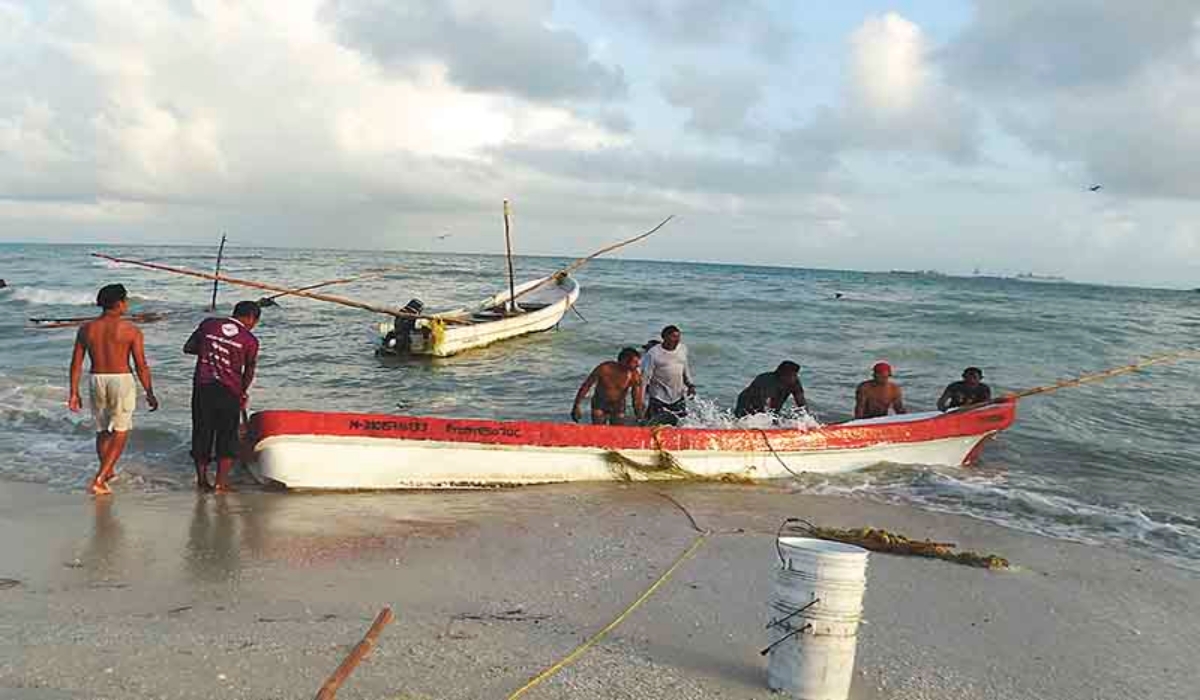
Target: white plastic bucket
{"points": [[815, 610]]}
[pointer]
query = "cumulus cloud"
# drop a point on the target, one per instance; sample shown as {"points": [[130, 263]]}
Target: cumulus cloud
{"points": [[760, 25], [896, 99], [152, 104], [1110, 90], [506, 47], [717, 103]]}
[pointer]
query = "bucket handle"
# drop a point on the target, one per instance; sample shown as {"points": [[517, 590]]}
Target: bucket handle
{"points": [[784, 638], [785, 618], [789, 524]]}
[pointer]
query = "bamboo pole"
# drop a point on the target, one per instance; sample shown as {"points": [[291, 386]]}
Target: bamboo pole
{"points": [[585, 260], [329, 283], [1105, 374], [217, 274], [329, 689], [512, 282], [352, 303]]}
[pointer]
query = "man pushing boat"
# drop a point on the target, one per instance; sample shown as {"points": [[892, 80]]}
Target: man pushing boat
{"points": [[226, 358], [668, 378], [614, 381], [878, 396]]}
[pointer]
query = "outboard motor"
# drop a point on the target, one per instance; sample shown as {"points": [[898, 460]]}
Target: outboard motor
{"points": [[400, 338]]}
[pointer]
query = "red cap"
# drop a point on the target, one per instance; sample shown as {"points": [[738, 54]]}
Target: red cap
{"points": [[882, 368]]}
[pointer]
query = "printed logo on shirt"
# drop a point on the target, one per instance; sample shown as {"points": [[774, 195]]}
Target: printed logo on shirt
{"points": [[229, 329]]}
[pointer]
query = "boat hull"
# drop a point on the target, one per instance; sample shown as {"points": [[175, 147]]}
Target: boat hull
{"points": [[302, 450]]}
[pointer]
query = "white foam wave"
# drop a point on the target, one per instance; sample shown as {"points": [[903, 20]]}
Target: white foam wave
{"points": [[52, 297], [703, 413], [1037, 507]]}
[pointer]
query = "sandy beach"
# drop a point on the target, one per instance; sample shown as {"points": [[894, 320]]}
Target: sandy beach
{"points": [[260, 595]]}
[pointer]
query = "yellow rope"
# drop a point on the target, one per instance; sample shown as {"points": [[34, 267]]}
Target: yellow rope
{"points": [[1097, 376], [582, 648]]}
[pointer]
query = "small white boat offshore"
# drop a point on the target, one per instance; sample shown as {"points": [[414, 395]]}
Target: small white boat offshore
{"points": [[540, 305], [351, 451]]}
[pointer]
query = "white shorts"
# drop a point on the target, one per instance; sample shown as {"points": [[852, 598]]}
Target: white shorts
{"points": [[114, 396]]}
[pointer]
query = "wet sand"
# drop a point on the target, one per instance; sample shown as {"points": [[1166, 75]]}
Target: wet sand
{"points": [[260, 595]]}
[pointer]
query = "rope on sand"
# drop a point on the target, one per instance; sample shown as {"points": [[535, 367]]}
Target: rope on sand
{"points": [[550, 671]]}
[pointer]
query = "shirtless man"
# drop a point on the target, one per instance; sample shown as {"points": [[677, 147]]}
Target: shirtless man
{"points": [[109, 342], [613, 381], [876, 396]]}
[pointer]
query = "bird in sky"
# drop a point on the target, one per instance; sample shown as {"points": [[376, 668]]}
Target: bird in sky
{"points": [[1094, 188], [444, 236]]}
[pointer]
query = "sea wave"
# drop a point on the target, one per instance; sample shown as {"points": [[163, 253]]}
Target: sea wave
{"points": [[1029, 504]]}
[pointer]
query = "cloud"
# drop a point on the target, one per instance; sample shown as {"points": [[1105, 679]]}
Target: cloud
{"points": [[206, 107], [1109, 90], [718, 103], [896, 100], [498, 47], [762, 26], [1029, 44]]}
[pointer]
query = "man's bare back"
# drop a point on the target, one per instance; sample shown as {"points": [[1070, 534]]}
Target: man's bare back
{"points": [[109, 342]]}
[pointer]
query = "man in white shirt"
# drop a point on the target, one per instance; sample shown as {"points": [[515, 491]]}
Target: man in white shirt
{"points": [[668, 379]]}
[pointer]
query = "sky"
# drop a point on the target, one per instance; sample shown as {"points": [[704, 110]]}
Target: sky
{"points": [[928, 134]]}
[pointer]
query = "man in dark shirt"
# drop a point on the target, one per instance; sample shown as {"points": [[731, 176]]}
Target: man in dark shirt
{"points": [[969, 392], [226, 357], [770, 390]]}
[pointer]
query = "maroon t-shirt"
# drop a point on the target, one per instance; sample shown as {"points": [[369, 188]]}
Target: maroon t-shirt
{"points": [[223, 348]]}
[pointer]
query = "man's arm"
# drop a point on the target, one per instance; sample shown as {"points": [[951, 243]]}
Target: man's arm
{"points": [[987, 393], [687, 376], [580, 395], [944, 399], [639, 398], [143, 368], [249, 368], [192, 346], [860, 402], [75, 403], [898, 401], [798, 396]]}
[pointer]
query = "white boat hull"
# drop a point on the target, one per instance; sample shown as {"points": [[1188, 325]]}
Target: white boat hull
{"points": [[556, 297], [358, 451]]}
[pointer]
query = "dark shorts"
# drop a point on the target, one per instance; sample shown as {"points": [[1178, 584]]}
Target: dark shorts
{"points": [[215, 416], [659, 413]]}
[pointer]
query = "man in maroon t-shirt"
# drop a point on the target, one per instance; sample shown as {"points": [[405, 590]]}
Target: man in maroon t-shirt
{"points": [[226, 356]]}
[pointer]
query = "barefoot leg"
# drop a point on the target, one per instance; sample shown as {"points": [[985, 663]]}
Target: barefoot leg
{"points": [[109, 456], [202, 476], [224, 466]]}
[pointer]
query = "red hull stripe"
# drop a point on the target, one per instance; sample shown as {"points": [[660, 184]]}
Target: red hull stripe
{"points": [[980, 421]]}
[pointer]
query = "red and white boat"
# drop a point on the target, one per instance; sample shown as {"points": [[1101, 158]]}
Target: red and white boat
{"points": [[318, 450]]}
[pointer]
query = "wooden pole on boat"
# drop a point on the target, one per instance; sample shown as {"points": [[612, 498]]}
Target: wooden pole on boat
{"points": [[329, 689], [217, 274], [585, 260], [272, 288], [1106, 374], [329, 283], [512, 283]]}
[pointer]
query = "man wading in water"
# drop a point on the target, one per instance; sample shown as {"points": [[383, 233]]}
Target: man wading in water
{"points": [[109, 342], [226, 357], [668, 378], [612, 380], [970, 391], [876, 396]]}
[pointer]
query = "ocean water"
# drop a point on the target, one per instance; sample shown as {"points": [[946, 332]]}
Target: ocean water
{"points": [[1114, 463]]}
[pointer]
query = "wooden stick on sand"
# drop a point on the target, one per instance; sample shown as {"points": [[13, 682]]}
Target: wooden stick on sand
{"points": [[329, 689]]}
